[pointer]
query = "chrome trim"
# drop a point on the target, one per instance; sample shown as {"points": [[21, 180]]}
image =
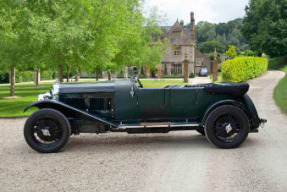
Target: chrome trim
{"points": [[156, 126]]}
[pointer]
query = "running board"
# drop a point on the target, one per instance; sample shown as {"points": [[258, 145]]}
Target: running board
{"points": [[156, 125]]}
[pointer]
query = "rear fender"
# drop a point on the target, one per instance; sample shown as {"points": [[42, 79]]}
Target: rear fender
{"points": [[223, 102], [66, 109], [253, 112]]}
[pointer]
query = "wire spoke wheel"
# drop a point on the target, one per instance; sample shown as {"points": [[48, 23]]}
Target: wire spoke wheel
{"points": [[47, 130], [227, 126]]}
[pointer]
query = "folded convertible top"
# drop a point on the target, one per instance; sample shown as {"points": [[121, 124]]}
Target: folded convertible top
{"points": [[227, 88]]}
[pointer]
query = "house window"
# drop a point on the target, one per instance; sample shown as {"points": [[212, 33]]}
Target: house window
{"points": [[176, 35], [177, 50], [176, 69]]}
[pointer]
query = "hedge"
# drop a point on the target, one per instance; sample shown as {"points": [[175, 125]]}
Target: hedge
{"points": [[172, 77], [4, 77], [24, 76], [241, 69], [46, 75]]}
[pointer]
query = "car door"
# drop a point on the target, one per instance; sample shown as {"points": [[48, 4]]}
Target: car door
{"points": [[151, 103], [183, 101]]}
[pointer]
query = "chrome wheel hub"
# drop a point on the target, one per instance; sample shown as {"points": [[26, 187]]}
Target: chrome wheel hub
{"points": [[46, 132], [228, 128]]}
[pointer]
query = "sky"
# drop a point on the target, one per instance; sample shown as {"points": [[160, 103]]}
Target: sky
{"points": [[214, 11]]}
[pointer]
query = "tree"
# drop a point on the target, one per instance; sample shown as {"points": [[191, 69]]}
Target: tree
{"points": [[205, 31], [57, 30], [265, 26], [275, 43], [231, 52], [225, 33], [222, 28], [13, 38], [73, 35], [209, 46]]}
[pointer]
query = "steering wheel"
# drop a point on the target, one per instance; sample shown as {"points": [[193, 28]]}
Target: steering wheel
{"points": [[140, 84]]}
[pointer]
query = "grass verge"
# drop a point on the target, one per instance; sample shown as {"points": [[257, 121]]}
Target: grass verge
{"points": [[29, 94], [280, 92]]}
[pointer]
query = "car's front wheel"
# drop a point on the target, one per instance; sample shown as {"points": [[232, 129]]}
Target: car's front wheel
{"points": [[47, 130], [227, 126]]}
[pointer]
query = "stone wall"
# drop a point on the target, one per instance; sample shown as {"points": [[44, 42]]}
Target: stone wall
{"points": [[202, 60]]}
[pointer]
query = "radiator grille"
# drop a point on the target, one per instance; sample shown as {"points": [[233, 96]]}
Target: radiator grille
{"points": [[78, 103], [101, 103]]}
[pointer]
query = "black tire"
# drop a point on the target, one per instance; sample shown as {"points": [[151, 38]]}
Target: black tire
{"points": [[227, 127], [201, 131], [41, 140]]}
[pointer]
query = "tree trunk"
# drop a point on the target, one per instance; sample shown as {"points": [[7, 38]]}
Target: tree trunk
{"points": [[97, 76], [37, 78], [68, 74], [9, 76], [109, 76], [60, 67], [78, 76], [12, 80]]}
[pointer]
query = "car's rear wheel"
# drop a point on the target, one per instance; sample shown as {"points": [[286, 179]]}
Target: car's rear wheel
{"points": [[47, 130], [227, 126]]}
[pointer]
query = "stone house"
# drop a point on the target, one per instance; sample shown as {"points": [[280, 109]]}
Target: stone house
{"points": [[182, 40]]}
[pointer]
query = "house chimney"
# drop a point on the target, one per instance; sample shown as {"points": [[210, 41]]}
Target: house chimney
{"points": [[192, 24]]}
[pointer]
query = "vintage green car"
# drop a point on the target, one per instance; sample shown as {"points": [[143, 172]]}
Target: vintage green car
{"points": [[223, 112]]}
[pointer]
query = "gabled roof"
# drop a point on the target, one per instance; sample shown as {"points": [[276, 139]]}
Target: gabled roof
{"points": [[176, 27], [166, 29]]}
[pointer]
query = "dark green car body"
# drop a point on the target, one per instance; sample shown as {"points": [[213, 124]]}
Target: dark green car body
{"points": [[223, 112], [115, 105]]}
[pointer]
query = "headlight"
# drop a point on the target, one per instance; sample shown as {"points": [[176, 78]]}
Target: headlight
{"points": [[45, 96], [53, 94], [55, 91]]}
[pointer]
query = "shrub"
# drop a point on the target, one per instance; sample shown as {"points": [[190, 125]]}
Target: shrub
{"points": [[4, 77], [249, 53], [231, 52], [142, 76], [241, 69], [172, 77], [24, 76], [191, 75], [46, 75], [71, 74]]}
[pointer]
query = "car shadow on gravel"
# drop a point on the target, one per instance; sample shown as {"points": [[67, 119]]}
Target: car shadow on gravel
{"points": [[112, 142]]}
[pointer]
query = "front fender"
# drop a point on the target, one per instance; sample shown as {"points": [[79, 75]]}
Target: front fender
{"points": [[39, 105], [57, 105]]}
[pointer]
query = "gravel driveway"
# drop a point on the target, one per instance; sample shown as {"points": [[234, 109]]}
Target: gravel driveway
{"points": [[178, 161]]}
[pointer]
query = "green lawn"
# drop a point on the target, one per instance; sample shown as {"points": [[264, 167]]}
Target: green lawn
{"points": [[280, 92], [29, 94], [15, 107], [160, 83]]}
